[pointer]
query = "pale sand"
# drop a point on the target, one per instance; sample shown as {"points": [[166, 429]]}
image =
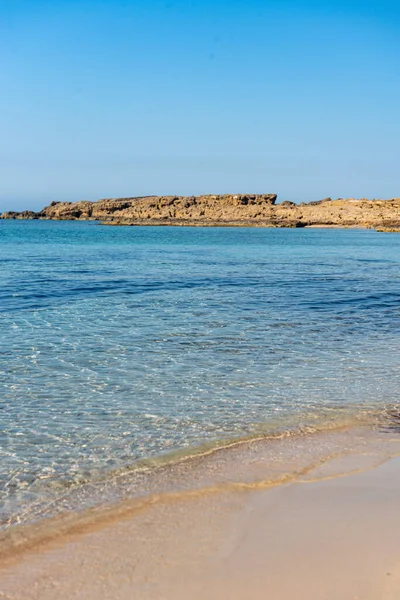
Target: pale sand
{"points": [[334, 539]]}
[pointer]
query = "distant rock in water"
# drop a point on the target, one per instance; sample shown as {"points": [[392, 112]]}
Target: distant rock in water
{"points": [[257, 210], [25, 214], [388, 229]]}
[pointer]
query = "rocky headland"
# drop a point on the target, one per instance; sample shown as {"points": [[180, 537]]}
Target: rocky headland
{"points": [[256, 210]]}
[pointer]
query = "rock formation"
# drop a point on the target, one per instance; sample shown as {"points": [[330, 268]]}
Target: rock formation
{"points": [[257, 210]]}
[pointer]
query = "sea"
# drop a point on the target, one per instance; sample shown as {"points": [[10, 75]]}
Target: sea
{"points": [[126, 349]]}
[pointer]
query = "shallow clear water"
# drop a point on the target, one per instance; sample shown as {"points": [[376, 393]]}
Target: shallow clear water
{"points": [[123, 343]]}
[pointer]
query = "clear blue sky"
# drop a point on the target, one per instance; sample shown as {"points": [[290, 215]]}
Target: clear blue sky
{"points": [[104, 98]]}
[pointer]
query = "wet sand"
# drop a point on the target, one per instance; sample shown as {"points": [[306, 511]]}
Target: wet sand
{"points": [[329, 535]]}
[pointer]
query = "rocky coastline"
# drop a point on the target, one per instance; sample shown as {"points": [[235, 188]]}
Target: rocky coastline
{"points": [[240, 210]]}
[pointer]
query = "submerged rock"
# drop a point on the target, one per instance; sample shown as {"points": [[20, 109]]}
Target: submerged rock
{"points": [[388, 229]]}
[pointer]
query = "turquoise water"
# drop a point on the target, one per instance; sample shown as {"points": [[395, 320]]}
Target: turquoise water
{"points": [[123, 343]]}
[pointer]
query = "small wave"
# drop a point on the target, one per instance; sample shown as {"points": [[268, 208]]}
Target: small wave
{"points": [[366, 302], [49, 494], [241, 466]]}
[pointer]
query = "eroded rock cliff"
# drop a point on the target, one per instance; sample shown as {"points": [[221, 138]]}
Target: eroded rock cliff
{"points": [[228, 209]]}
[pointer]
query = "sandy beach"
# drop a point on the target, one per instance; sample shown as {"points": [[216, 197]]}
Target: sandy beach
{"points": [[199, 300], [332, 533]]}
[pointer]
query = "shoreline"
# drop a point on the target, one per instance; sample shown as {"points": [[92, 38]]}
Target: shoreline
{"points": [[155, 474], [333, 529], [211, 224], [238, 467], [237, 224]]}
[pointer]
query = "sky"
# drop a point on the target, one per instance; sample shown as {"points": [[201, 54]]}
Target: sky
{"points": [[103, 98]]}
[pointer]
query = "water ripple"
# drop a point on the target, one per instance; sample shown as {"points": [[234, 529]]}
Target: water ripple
{"points": [[118, 344]]}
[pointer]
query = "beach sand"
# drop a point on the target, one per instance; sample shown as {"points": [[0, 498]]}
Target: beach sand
{"points": [[326, 536]]}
